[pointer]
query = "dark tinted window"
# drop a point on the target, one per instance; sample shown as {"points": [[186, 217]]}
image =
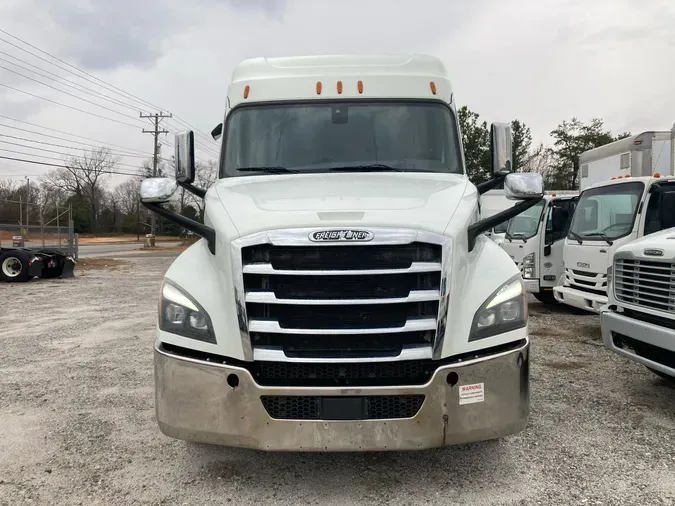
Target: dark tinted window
{"points": [[316, 137]]}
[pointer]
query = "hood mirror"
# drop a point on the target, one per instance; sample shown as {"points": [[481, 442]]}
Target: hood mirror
{"points": [[524, 186], [185, 157], [157, 189]]}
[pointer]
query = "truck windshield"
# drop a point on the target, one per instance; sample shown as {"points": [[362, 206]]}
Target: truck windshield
{"points": [[526, 224], [607, 212], [340, 135]]}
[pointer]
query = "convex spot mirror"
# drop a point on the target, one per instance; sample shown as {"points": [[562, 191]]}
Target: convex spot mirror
{"points": [[157, 189], [184, 157], [523, 186]]}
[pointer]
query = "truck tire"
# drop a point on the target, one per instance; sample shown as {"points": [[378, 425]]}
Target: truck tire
{"points": [[14, 266], [545, 297]]}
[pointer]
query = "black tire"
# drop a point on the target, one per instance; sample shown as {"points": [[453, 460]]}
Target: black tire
{"points": [[546, 297], [14, 266]]}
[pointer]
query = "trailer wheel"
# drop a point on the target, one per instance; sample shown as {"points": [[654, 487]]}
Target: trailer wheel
{"points": [[14, 266]]}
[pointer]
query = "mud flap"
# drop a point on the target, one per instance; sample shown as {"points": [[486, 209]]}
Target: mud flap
{"points": [[35, 268], [68, 269]]}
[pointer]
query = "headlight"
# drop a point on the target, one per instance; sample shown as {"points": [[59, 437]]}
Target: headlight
{"points": [[529, 270], [610, 281], [505, 310], [180, 314]]}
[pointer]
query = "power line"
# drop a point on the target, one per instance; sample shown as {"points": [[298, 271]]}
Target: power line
{"points": [[66, 93], [53, 157], [48, 150], [70, 147], [108, 86], [59, 78], [63, 166], [69, 106], [62, 132]]}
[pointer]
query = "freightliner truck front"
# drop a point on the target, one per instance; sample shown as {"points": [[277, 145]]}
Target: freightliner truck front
{"points": [[344, 296]]}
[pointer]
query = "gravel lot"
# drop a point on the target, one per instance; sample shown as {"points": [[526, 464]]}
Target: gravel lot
{"points": [[77, 420]]}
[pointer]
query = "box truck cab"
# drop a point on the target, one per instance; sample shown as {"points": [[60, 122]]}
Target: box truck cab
{"points": [[343, 296], [534, 240], [493, 202], [639, 320], [609, 215]]}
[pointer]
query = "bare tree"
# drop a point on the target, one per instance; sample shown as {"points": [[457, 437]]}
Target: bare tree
{"points": [[206, 175], [84, 176]]}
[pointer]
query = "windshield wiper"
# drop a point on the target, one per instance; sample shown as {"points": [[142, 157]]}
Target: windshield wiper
{"points": [[601, 236], [517, 236], [576, 236], [373, 167], [272, 170]]}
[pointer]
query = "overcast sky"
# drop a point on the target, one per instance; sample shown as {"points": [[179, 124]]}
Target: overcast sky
{"points": [[540, 61]]}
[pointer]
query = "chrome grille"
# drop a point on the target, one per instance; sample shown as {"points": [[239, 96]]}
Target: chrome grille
{"points": [[645, 283], [379, 299]]}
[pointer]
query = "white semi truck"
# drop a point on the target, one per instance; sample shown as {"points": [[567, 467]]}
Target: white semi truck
{"points": [[534, 240], [639, 320], [613, 210], [344, 296]]}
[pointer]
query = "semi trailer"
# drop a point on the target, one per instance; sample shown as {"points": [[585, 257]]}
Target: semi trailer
{"points": [[24, 264], [343, 295]]}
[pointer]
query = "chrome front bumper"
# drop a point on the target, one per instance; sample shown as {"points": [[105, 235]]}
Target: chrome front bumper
{"points": [[579, 299], [194, 402], [616, 325]]}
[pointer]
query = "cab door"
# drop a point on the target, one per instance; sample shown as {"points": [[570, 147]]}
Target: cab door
{"points": [[558, 219]]}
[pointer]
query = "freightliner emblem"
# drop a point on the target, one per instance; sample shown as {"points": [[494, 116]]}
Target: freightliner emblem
{"points": [[654, 252], [341, 235]]}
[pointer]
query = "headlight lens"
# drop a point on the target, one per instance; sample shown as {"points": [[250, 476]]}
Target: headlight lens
{"points": [[505, 310], [529, 270], [180, 314], [610, 281]]}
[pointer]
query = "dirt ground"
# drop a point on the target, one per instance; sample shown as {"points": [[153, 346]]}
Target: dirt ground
{"points": [[77, 420]]}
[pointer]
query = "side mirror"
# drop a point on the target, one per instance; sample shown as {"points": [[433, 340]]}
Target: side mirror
{"points": [[217, 132], [501, 151], [524, 186], [185, 157], [157, 189]]}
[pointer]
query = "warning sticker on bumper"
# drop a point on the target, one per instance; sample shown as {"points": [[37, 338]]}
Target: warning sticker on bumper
{"points": [[469, 394]]}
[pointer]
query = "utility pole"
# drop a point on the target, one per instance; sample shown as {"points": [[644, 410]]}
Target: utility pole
{"points": [[156, 118], [27, 201]]}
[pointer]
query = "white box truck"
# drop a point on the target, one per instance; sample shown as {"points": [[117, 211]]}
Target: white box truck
{"points": [[344, 296], [493, 202], [534, 240], [616, 209], [639, 320]]}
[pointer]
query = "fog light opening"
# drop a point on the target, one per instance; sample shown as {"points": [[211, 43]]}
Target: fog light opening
{"points": [[233, 380], [452, 378]]}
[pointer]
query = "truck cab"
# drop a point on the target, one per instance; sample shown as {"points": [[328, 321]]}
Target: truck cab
{"points": [[609, 215], [638, 321], [534, 240], [343, 296]]}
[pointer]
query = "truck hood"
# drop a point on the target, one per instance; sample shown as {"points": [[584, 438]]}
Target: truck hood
{"points": [[418, 200], [661, 243]]}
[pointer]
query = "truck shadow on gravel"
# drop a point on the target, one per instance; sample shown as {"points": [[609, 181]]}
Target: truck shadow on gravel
{"points": [[354, 474]]}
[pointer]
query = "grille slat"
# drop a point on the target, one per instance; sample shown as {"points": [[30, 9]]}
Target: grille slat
{"points": [[338, 291], [370, 407], [645, 283], [586, 281]]}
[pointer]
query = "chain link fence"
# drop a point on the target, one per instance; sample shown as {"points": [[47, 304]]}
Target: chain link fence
{"points": [[32, 226]]}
